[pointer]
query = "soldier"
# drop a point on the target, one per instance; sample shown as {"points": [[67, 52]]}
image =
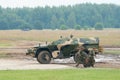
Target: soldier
{"points": [[85, 58], [81, 56], [71, 36], [91, 58]]}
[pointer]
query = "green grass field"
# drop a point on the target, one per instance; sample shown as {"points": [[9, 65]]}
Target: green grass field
{"points": [[65, 74], [111, 51]]}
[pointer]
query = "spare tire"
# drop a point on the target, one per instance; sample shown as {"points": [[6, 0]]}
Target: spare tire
{"points": [[44, 57]]}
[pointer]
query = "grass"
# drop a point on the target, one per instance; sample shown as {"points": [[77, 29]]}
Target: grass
{"points": [[65, 74], [112, 51], [107, 37], [5, 44], [4, 55]]}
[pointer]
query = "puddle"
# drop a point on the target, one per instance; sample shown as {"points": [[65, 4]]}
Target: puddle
{"points": [[109, 58]]}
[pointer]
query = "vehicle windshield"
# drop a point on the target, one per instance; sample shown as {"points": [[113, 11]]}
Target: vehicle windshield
{"points": [[60, 41], [89, 40]]}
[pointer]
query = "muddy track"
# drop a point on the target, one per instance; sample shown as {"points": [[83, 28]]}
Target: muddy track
{"points": [[15, 58], [22, 62]]}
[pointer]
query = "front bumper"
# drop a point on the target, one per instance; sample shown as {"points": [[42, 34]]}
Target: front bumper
{"points": [[31, 52]]}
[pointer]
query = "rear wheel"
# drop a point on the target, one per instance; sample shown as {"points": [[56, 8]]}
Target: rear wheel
{"points": [[44, 57], [86, 63], [82, 57], [76, 58]]}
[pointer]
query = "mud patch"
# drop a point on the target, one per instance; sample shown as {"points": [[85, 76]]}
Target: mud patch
{"points": [[16, 59], [108, 58]]}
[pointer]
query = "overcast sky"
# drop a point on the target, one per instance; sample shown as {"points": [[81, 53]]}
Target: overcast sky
{"points": [[35, 3]]}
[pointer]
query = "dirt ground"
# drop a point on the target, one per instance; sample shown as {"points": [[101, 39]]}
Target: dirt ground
{"points": [[23, 62], [14, 58]]}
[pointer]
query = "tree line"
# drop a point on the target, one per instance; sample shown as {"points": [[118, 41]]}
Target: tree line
{"points": [[80, 16]]}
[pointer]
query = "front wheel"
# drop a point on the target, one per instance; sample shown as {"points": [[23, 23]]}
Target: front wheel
{"points": [[44, 57]]}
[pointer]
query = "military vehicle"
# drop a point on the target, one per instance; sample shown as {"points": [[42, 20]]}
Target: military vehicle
{"points": [[65, 48]]}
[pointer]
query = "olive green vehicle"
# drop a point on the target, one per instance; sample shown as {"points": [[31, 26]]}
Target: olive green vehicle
{"points": [[66, 48]]}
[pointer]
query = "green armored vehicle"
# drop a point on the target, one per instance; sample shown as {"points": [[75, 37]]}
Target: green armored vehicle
{"points": [[66, 48]]}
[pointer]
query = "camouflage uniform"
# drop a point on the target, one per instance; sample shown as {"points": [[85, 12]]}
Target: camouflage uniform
{"points": [[87, 59], [91, 58], [81, 58]]}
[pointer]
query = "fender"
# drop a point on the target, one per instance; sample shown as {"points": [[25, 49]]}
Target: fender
{"points": [[42, 49]]}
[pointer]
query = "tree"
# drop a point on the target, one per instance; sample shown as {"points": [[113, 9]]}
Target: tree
{"points": [[38, 25], [99, 26], [78, 27], [63, 27], [52, 18], [25, 26], [61, 21], [54, 22], [85, 27], [3, 25], [71, 20], [0, 10]]}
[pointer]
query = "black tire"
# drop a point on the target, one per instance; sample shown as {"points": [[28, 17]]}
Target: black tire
{"points": [[90, 62], [85, 65], [76, 58], [44, 57]]}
